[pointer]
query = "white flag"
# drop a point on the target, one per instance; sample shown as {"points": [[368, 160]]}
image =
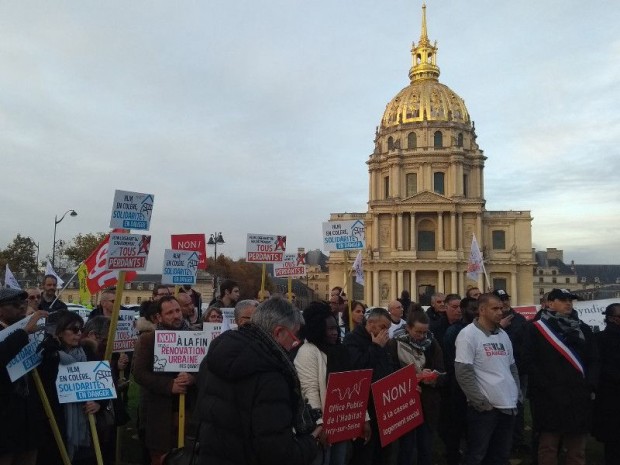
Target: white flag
{"points": [[359, 269], [9, 279], [475, 266], [50, 271]]}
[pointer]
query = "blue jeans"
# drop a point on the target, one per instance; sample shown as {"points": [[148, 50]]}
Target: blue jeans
{"points": [[489, 437]]}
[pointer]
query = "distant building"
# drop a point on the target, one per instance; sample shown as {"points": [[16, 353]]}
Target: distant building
{"points": [[426, 200], [551, 272]]}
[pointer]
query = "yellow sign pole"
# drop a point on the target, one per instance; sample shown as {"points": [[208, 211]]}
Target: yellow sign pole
{"points": [[115, 312], [181, 420], [290, 289], [95, 436], [50, 416], [262, 280]]}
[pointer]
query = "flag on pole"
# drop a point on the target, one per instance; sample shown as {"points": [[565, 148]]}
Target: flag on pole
{"points": [[49, 271], [475, 266], [9, 279], [85, 296], [359, 269], [95, 273]]}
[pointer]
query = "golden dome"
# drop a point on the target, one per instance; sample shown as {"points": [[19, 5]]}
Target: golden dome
{"points": [[425, 99]]}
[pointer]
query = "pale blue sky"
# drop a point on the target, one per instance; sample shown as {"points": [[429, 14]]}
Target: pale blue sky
{"points": [[258, 117]]}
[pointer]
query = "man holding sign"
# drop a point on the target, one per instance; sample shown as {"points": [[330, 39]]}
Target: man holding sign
{"points": [[159, 390]]}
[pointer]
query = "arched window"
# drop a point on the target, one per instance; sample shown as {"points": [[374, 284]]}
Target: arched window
{"points": [[438, 140], [390, 143], [412, 140], [438, 182], [459, 140]]}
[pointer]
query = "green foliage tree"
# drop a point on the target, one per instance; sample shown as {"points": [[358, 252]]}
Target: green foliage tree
{"points": [[20, 255], [248, 275], [82, 245]]}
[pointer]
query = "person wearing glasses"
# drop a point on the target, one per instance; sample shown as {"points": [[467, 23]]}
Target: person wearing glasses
{"points": [[63, 347], [106, 304], [250, 402], [21, 415], [34, 299]]}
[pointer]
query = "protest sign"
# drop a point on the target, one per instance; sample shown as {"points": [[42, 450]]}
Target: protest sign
{"points": [[131, 210], [126, 333], [212, 330], [194, 242], [180, 267], [177, 351], [229, 318], [528, 311], [397, 403], [128, 251], [27, 358], [84, 381], [98, 276], [346, 400], [263, 248], [343, 235], [292, 266]]}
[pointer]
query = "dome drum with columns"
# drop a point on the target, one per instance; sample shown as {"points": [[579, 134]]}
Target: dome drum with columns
{"points": [[426, 199]]}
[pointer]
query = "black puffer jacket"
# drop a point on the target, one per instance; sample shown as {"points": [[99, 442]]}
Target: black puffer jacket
{"points": [[560, 396], [247, 404]]}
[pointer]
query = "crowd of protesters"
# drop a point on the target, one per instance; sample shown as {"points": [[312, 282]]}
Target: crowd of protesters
{"points": [[261, 389]]}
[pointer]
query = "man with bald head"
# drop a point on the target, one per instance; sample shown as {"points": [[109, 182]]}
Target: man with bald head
{"points": [[395, 309], [187, 308]]}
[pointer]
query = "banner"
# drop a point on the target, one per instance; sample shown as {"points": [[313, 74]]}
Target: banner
{"points": [[359, 269], [84, 381], [180, 267], [475, 266], [346, 401], [194, 242], [343, 235], [177, 351], [212, 330], [263, 248], [589, 311], [128, 251], [9, 279], [292, 266], [397, 403], [229, 318], [99, 276], [126, 332], [131, 210], [28, 358], [49, 271]]}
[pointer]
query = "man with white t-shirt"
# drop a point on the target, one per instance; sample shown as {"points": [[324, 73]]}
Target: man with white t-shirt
{"points": [[486, 371], [395, 309]]}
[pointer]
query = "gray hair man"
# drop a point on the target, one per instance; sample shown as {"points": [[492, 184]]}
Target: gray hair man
{"points": [[250, 403], [244, 311]]}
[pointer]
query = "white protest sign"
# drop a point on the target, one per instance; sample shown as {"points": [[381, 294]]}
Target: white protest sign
{"points": [[212, 330], [228, 313], [131, 210], [179, 350], [591, 311], [128, 251], [126, 333], [27, 359], [293, 266], [84, 381], [343, 235], [180, 267], [263, 248]]}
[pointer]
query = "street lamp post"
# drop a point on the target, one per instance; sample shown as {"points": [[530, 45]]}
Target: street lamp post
{"points": [[56, 221], [214, 240]]}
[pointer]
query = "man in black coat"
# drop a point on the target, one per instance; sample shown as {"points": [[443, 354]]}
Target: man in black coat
{"points": [[560, 357], [49, 302], [21, 414], [250, 404], [607, 405]]}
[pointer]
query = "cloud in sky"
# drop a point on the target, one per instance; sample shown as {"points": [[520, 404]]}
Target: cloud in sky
{"points": [[259, 116]]}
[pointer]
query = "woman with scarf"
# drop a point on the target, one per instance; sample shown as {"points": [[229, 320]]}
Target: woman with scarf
{"points": [[419, 347], [62, 347], [560, 357]]}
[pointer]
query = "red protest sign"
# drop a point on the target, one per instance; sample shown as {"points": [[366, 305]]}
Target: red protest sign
{"points": [[528, 311], [99, 276], [194, 242], [345, 404], [397, 403]]}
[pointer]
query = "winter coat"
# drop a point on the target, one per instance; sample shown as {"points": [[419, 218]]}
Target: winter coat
{"points": [[438, 324], [560, 396], [21, 412], [248, 402], [516, 333], [607, 404]]}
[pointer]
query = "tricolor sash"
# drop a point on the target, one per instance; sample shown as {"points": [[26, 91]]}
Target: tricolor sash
{"points": [[558, 345]]}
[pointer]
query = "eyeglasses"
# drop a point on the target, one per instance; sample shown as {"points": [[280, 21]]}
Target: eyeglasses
{"points": [[295, 339], [34, 297], [74, 329]]}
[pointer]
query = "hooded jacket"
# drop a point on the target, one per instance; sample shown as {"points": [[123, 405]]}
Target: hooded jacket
{"points": [[248, 402]]}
